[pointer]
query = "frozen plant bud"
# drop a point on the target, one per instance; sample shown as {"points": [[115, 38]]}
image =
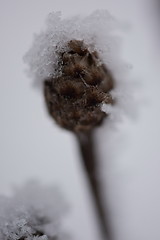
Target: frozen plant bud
{"points": [[74, 98], [33, 213], [77, 61]]}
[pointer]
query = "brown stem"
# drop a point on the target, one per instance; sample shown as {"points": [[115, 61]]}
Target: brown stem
{"points": [[90, 162]]}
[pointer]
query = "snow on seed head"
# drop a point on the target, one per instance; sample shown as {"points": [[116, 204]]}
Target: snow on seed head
{"points": [[98, 32]]}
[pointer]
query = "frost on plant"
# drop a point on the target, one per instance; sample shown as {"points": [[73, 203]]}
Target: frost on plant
{"points": [[98, 34], [33, 213]]}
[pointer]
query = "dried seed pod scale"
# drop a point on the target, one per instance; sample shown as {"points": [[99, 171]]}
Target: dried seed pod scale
{"points": [[74, 99]]}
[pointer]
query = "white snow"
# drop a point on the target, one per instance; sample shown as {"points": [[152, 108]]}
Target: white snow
{"points": [[32, 208]]}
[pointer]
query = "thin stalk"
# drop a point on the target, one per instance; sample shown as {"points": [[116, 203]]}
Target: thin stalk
{"points": [[90, 163]]}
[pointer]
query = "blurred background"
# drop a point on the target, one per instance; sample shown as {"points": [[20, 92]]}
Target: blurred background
{"points": [[33, 147]]}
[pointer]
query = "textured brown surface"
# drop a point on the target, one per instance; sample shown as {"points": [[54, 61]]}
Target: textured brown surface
{"points": [[74, 99]]}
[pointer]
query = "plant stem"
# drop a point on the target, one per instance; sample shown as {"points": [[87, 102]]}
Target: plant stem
{"points": [[90, 162]]}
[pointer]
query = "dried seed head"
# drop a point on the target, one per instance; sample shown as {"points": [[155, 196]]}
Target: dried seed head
{"points": [[74, 99]]}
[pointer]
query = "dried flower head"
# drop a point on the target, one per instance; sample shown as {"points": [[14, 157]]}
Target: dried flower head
{"points": [[32, 214], [74, 99]]}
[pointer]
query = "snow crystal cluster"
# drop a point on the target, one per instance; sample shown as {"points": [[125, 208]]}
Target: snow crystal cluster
{"points": [[99, 33], [33, 213]]}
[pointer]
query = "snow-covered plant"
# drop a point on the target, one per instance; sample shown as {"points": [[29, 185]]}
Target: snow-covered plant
{"points": [[95, 63], [32, 213], [77, 62]]}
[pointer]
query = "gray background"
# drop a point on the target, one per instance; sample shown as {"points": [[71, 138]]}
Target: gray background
{"points": [[33, 147]]}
